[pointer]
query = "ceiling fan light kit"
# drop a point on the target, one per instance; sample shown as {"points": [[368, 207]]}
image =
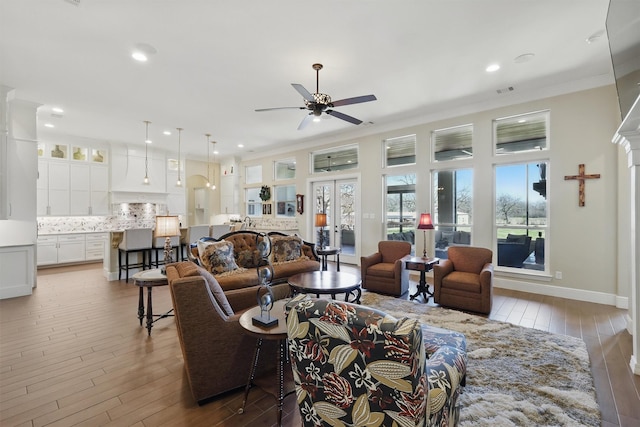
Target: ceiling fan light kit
{"points": [[318, 103]]}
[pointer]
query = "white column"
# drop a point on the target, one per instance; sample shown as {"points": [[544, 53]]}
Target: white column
{"points": [[628, 136]]}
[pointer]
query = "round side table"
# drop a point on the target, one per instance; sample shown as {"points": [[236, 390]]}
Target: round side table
{"points": [[149, 279]]}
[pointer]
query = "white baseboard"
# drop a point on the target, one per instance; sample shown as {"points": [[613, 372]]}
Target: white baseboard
{"points": [[561, 292]]}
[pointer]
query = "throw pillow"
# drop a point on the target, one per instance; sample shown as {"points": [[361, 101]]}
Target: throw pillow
{"points": [[286, 248], [218, 257]]}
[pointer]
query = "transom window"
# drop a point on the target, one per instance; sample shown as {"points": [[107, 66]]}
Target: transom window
{"points": [[400, 151], [517, 134], [452, 143], [253, 174], [284, 169], [336, 159]]}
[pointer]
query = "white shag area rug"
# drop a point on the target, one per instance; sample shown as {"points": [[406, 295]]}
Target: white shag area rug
{"points": [[516, 376]]}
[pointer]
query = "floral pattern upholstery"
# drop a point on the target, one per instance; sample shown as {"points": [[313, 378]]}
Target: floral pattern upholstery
{"points": [[357, 366]]}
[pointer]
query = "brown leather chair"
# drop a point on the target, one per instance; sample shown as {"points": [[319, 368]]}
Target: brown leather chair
{"points": [[383, 272], [465, 280]]}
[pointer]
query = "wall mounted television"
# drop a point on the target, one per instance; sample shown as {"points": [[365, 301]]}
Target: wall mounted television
{"points": [[623, 32]]}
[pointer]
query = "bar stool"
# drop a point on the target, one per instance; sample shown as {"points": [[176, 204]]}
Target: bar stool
{"points": [[135, 240]]}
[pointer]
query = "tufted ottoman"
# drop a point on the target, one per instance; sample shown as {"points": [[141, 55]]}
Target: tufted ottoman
{"points": [[446, 369]]}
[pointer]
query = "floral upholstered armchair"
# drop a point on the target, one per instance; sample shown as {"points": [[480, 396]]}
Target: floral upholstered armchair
{"points": [[356, 366]]}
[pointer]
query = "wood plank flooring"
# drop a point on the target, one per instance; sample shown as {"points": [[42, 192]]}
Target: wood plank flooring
{"points": [[74, 354]]}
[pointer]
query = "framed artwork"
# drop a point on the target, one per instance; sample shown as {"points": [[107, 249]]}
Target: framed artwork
{"points": [[266, 209], [300, 203]]}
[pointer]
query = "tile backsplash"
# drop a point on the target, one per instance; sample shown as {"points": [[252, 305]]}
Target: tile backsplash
{"points": [[124, 216]]}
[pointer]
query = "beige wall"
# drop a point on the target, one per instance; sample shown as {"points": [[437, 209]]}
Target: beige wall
{"points": [[584, 243]]}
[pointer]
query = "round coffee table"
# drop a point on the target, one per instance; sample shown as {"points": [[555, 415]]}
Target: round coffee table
{"points": [[327, 283]]}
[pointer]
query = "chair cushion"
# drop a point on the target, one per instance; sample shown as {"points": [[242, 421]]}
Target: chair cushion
{"points": [[286, 248], [218, 257], [468, 282], [383, 269]]}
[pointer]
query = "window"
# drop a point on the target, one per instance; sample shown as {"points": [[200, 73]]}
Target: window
{"points": [[337, 159], [285, 200], [521, 215], [452, 143], [284, 169], [253, 174], [452, 209], [400, 151], [254, 203], [401, 208], [517, 134]]}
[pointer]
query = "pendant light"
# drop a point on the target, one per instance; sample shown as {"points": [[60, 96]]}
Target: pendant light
{"points": [[179, 182], [147, 141], [213, 184], [208, 160]]}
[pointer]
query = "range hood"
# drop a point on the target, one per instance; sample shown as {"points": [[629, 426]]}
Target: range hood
{"points": [[138, 197]]}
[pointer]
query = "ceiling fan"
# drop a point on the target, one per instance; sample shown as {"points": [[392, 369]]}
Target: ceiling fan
{"points": [[318, 103]]}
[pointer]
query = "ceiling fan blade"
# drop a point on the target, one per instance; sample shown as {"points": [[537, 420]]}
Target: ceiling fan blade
{"points": [[356, 100], [281, 108], [308, 119], [344, 117], [304, 92]]}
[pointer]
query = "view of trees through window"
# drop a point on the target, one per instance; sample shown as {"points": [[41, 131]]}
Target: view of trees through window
{"points": [[521, 214], [401, 207], [452, 209]]}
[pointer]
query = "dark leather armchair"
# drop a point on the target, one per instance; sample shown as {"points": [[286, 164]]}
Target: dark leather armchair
{"points": [[465, 280], [384, 271]]}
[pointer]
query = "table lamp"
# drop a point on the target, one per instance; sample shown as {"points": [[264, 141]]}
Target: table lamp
{"points": [[424, 225], [321, 221], [167, 226]]}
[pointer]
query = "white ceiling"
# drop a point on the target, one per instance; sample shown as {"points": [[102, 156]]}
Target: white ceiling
{"points": [[218, 61]]}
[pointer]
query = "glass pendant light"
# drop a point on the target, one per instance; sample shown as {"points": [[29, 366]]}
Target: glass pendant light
{"points": [[213, 184], [179, 182], [208, 160], [147, 141]]}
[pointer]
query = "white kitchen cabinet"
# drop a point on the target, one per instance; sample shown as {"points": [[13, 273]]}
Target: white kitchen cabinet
{"points": [[52, 188], [95, 246], [74, 188], [80, 189], [61, 249], [229, 194], [47, 250], [71, 248], [99, 190]]}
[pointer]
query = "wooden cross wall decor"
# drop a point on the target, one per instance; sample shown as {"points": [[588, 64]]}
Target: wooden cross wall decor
{"points": [[581, 177]]}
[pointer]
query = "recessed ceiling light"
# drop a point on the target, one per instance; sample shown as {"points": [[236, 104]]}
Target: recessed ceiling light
{"points": [[57, 110], [142, 51], [166, 132], [49, 125], [525, 57], [240, 145], [492, 68]]}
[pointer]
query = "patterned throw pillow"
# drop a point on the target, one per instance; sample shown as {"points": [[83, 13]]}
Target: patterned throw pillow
{"points": [[218, 257], [286, 248]]}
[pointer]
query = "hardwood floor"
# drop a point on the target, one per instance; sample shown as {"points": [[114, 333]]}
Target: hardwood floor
{"points": [[74, 353]]}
